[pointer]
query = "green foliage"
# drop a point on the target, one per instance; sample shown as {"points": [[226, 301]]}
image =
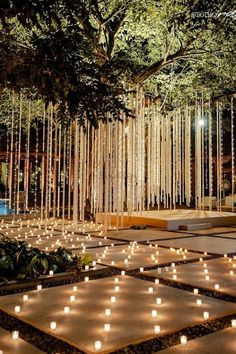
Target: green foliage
{"points": [[18, 261], [81, 54], [86, 260]]}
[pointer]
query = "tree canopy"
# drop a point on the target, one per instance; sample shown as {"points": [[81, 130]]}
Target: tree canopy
{"points": [[84, 55]]}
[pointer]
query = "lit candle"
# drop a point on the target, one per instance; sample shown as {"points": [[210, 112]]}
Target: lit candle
{"points": [[72, 298], [157, 281], [233, 323], [15, 335], [86, 267], [157, 329], [39, 287], [107, 312], [217, 286], [116, 280], [53, 325], [98, 345], [231, 272], [141, 269], [199, 302], [154, 313], [75, 288], [195, 291], [51, 272], [113, 299], [66, 309], [17, 309], [107, 327], [25, 298], [183, 340], [205, 315], [86, 279], [122, 272], [174, 277], [158, 301], [150, 290], [207, 277]]}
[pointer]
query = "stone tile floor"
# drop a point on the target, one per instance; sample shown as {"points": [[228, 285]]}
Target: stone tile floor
{"points": [[132, 322]]}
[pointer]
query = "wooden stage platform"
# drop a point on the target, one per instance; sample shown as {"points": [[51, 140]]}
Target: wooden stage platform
{"points": [[172, 219]]}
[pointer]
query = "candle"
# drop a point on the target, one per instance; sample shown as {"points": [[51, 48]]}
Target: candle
{"points": [[154, 313], [116, 280], [141, 269], [86, 279], [199, 302], [217, 286], [17, 309], [233, 323], [51, 272], [39, 287], [72, 298], [113, 299], [15, 335], [195, 291], [53, 325], [75, 288], [122, 272], [157, 329], [66, 309], [205, 315], [150, 290], [25, 298], [183, 340], [98, 345], [157, 281], [107, 327], [107, 312]]}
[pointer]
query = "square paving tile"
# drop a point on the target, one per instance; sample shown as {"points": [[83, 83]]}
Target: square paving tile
{"points": [[131, 317], [15, 346], [144, 235], [220, 271], [214, 230], [222, 342], [131, 257], [203, 244]]}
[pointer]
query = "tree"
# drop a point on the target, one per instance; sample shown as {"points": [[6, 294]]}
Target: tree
{"points": [[175, 49]]}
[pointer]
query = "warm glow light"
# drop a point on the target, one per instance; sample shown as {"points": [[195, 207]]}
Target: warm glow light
{"points": [[107, 327], [141, 269], [205, 315], [39, 287], [66, 309], [72, 298], [154, 313], [233, 323], [107, 312], [217, 286], [53, 325], [157, 281], [25, 298], [157, 329], [98, 345], [75, 288], [113, 299], [15, 335], [51, 272], [199, 302], [17, 309], [158, 301], [195, 291], [183, 340], [150, 290]]}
